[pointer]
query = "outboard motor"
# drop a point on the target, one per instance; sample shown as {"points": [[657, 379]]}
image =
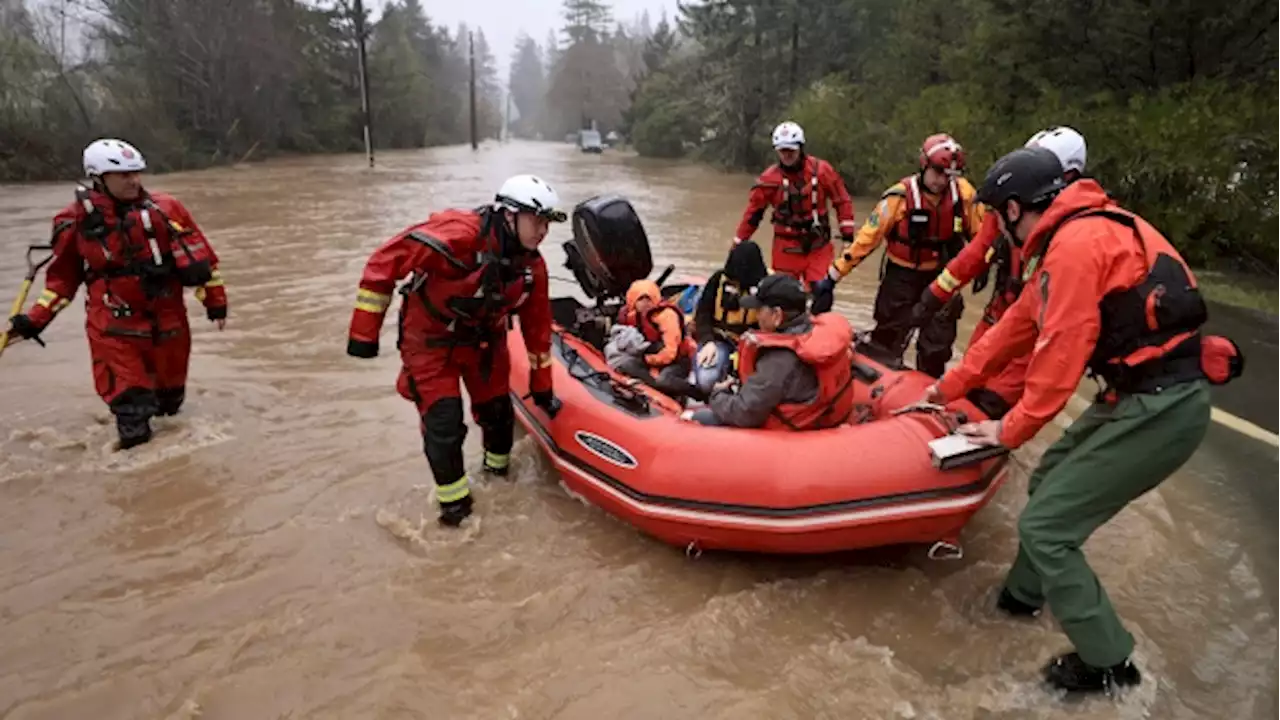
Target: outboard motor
{"points": [[610, 249]]}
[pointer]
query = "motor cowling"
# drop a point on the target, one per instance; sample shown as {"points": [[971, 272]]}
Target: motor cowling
{"points": [[610, 249]]}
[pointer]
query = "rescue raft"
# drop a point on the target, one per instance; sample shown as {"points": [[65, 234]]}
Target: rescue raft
{"points": [[625, 449]]}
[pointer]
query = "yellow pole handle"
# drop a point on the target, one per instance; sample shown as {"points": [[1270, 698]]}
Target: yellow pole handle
{"points": [[18, 302]]}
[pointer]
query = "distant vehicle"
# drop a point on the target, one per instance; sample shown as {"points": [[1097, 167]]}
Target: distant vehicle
{"points": [[589, 141], [612, 139]]}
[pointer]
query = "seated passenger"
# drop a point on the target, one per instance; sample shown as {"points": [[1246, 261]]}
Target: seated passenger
{"points": [[667, 361], [797, 370], [719, 320]]}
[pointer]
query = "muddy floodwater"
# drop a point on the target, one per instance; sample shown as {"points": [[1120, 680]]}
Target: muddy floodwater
{"points": [[273, 552]]}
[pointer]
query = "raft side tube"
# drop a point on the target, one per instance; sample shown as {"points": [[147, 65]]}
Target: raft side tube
{"points": [[735, 470]]}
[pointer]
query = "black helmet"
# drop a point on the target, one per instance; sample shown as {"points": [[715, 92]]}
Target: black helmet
{"points": [[1030, 175]]}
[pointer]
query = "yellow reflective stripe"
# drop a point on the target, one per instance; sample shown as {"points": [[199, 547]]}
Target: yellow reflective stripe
{"points": [[947, 281], [539, 360], [373, 302], [497, 461], [47, 299], [454, 491], [52, 302]]}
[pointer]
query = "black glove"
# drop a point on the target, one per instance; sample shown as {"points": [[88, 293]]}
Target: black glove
{"points": [[823, 293], [980, 282], [926, 308], [361, 348], [546, 400], [22, 326]]}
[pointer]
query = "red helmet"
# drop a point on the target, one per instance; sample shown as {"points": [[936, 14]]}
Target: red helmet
{"points": [[941, 151]]}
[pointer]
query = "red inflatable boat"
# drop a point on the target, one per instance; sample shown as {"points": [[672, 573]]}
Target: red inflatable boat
{"points": [[625, 449]]}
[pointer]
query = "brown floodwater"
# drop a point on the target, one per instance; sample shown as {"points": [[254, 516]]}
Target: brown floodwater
{"points": [[273, 552]]}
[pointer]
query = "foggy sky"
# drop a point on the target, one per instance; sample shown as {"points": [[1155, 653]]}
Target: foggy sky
{"points": [[503, 20]]}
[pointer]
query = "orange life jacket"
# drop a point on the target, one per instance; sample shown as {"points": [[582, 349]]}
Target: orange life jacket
{"points": [[648, 326], [927, 234], [827, 348]]}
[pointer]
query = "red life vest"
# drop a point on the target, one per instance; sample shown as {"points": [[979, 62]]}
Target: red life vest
{"points": [[927, 234], [1007, 263], [470, 303], [145, 242], [828, 349], [794, 203], [1150, 337]]}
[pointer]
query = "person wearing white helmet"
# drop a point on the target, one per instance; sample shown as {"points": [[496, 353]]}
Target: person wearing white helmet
{"points": [[134, 251], [470, 269], [991, 249], [1067, 144], [799, 191]]}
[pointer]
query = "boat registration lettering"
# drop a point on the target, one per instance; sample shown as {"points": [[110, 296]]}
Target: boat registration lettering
{"points": [[605, 449]]}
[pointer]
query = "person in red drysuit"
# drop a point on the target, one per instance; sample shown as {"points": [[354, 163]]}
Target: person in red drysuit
{"points": [[799, 190], [471, 270], [134, 251], [992, 248]]}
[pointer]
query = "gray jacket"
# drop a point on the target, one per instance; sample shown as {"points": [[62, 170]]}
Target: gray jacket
{"points": [[780, 377], [625, 342]]}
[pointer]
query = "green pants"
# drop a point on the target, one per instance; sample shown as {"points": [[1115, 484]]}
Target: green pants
{"points": [[1108, 457]]}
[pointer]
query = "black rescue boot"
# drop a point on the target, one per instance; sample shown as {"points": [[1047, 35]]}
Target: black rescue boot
{"points": [[1011, 605], [1068, 672], [498, 464], [170, 400], [453, 513], [133, 431]]}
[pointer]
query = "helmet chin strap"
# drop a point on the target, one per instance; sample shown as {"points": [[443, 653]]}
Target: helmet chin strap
{"points": [[508, 234], [1010, 226]]}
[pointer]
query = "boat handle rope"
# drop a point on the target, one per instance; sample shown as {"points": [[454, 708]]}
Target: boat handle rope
{"points": [[946, 550], [628, 396], [693, 550], [951, 419]]}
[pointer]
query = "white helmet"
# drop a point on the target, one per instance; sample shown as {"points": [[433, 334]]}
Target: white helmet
{"points": [[1064, 142], [788, 135], [529, 193], [110, 155]]}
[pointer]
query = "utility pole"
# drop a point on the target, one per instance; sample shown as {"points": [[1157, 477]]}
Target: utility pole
{"points": [[472, 52], [507, 134], [364, 81]]}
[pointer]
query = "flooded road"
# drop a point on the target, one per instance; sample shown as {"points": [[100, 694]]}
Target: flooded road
{"points": [[273, 552]]}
